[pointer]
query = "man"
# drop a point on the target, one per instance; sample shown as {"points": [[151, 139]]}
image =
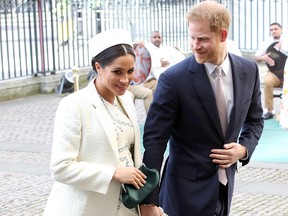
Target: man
{"points": [[147, 88], [141, 69], [184, 111], [142, 93], [273, 78], [157, 63]]}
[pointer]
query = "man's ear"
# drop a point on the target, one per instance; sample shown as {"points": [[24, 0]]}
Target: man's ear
{"points": [[224, 35]]}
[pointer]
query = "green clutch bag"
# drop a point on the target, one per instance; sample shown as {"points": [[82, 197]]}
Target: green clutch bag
{"points": [[131, 196]]}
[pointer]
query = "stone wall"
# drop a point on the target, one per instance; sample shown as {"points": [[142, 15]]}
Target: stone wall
{"points": [[27, 86]]}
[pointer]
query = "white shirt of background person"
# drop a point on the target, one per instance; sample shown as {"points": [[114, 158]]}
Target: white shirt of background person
{"points": [[233, 48]]}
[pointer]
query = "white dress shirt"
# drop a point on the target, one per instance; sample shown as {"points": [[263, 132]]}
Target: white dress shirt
{"points": [[226, 80]]}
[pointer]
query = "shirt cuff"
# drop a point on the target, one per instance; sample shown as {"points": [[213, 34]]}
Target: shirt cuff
{"points": [[247, 155]]}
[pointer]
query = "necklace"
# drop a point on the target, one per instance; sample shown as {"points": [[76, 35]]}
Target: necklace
{"points": [[117, 122]]}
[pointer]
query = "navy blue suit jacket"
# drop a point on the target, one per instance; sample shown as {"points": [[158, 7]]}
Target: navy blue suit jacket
{"points": [[184, 112]]}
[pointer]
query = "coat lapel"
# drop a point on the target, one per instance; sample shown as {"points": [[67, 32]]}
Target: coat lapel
{"points": [[102, 115]]}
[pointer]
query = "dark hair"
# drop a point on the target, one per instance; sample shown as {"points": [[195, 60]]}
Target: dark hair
{"points": [[107, 56], [275, 23]]}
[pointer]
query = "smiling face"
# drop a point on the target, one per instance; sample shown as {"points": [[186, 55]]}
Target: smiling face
{"points": [[115, 78], [206, 45], [156, 38], [208, 25]]}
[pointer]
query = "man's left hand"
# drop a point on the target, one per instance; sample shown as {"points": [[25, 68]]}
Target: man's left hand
{"points": [[231, 153]]}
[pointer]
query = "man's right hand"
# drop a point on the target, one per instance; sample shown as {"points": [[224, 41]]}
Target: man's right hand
{"points": [[269, 60], [151, 210], [164, 62]]}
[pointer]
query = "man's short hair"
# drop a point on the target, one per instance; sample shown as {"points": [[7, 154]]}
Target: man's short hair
{"points": [[275, 23]]}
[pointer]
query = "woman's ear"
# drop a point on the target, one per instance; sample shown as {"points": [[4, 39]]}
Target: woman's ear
{"points": [[98, 67]]}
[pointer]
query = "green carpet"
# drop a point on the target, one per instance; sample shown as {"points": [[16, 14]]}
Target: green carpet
{"points": [[272, 147], [273, 144]]}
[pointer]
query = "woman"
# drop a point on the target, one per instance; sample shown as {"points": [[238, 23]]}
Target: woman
{"points": [[96, 141]]}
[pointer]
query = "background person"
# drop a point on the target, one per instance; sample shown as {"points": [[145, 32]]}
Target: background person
{"points": [[233, 48], [184, 111], [142, 71], [284, 108], [272, 78], [162, 57], [282, 46], [96, 140], [142, 93], [154, 44]]}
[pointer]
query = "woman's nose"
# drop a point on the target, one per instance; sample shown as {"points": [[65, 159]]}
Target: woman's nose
{"points": [[125, 78]]}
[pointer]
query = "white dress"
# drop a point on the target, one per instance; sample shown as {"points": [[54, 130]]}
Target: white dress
{"points": [[284, 103], [125, 137]]}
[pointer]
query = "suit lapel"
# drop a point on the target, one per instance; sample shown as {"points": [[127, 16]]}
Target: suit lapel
{"points": [[204, 89], [239, 85]]}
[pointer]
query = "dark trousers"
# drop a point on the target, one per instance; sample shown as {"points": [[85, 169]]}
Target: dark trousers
{"points": [[222, 205]]}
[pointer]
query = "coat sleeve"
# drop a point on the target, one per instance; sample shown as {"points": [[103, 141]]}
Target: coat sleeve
{"points": [[253, 125], [159, 123], [66, 166]]}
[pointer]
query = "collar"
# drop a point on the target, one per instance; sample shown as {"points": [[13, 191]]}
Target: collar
{"points": [[225, 66]]}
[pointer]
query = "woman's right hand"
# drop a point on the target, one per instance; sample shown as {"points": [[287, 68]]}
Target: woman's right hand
{"points": [[130, 175]]}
